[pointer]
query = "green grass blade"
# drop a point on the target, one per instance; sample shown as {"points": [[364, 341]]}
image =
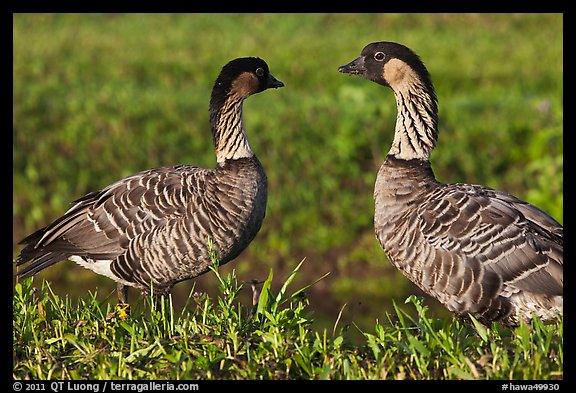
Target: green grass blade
{"points": [[264, 295], [282, 291]]}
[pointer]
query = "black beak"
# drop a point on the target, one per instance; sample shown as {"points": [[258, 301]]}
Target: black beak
{"points": [[273, 82], [355, 67]]}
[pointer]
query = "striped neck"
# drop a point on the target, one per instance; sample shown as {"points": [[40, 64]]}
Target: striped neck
{"points": [[417, 121], [228, 133]]}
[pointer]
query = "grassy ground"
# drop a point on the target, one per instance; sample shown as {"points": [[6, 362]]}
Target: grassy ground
{"points": [[98, 97], [272, 338]]}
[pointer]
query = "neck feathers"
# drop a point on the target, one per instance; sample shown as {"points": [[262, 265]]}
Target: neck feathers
{"points": [[417, 120], [228, 133]]}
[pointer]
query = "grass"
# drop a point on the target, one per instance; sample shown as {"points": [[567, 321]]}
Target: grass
{"points": [[272, 338]]}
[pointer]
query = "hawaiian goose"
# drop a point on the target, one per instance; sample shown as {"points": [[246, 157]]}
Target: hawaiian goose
{"points": [[152, 230], [477, 250]]}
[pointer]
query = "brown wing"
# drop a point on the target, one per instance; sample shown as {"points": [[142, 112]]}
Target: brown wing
{"points": [[154, 226], [486, 243], [101, 224]]}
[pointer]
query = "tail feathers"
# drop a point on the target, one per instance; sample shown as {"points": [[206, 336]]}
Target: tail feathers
{"points": [[39, 257], [32, 239], [39, 262]]}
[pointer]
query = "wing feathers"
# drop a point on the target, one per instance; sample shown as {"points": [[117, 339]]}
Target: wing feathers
{"points": [[154, 226], [475, 249]]}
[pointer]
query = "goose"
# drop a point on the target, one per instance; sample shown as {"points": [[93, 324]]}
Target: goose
{"points": [[478, 251], [158, 227]]}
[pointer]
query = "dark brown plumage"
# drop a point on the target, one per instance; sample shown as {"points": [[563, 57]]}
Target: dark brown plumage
{"points": [[152, 229], [477, 250]]}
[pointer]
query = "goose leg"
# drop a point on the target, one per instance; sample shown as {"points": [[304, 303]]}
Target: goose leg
{"points": [[122, 308], [122, 291]]}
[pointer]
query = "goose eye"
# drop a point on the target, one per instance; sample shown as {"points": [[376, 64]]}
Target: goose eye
{"points": [[379, 56], [259, 71]]}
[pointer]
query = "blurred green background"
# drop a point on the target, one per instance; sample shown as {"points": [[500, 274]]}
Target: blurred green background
{"points": [[97, 97]]}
